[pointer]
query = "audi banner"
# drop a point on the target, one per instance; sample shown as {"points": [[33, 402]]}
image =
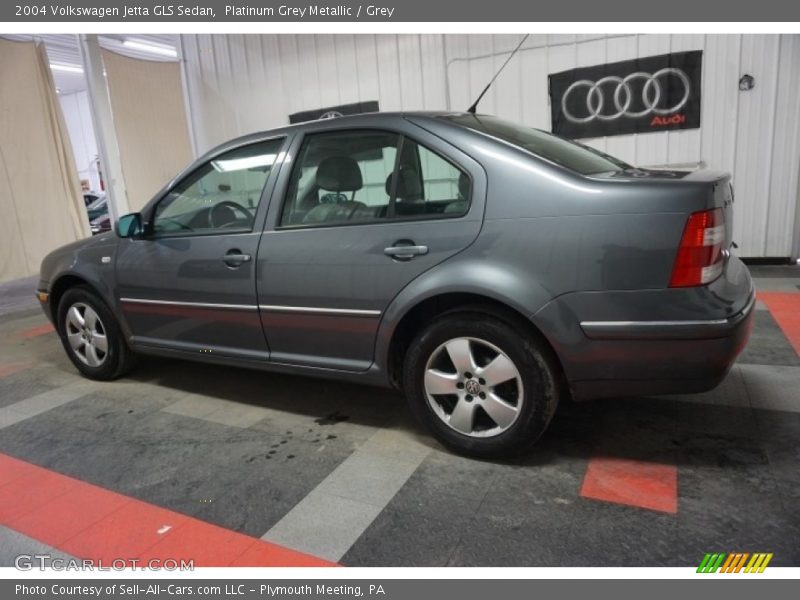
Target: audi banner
{"points": [[654, 93]]}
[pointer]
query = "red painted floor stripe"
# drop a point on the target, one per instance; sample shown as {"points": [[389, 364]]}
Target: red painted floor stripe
{"points": [[88, 521], [11, 368], [785, 309], [635, 483], [26, 334]]}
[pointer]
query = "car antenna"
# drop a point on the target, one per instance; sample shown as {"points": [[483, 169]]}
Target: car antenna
{"points": [[474, 106]]}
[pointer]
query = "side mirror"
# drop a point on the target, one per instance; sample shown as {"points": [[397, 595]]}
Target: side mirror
{"points": [[130, 226]]}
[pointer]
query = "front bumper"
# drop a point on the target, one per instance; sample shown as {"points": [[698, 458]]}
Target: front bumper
{"points": [[43, 296]]}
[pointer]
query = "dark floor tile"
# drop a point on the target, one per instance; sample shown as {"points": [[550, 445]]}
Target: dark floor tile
{"points": [[286, 458], [252, 506], [747, 524], [126, 468], [605, 534], [726, 486], [543, 550], [403, 539], [705, 419], [551, 484], [318, 398], [783, 464], [779, 427], [789, 271], [768, 344], [520, 519], [446, 486], [19, 386]]}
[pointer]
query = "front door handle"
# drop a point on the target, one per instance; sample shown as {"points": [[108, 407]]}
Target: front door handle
{"points": [[235, 258], [405, 252]]}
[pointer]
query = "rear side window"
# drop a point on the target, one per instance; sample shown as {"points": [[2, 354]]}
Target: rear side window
{"points": [[428, 184], [567, 153], [357, 177]]}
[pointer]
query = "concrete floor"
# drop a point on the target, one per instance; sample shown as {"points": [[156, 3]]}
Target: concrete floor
{"points": [[342, 473]]}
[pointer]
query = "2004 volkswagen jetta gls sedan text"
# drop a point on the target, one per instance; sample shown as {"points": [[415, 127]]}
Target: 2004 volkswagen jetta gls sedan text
{"points": [[484, 268]]}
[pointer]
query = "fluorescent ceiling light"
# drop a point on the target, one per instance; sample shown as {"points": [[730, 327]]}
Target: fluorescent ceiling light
{"points": [[248, 162], [150, 47], [67, 68]]}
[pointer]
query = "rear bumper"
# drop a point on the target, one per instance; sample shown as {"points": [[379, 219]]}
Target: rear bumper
{"points": [[651, 342], [668, 357], [693, 329]]}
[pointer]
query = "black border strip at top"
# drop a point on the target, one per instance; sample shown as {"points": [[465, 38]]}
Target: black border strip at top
{"points": [[397, 11]]}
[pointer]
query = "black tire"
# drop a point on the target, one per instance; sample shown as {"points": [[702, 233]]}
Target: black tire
{"points": [[118, 359], [537, 373]]}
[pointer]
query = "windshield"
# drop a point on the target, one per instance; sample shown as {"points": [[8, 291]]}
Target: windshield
{"points": [[567, 153]]}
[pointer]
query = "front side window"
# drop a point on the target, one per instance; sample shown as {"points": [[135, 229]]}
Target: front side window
{"points": [[223, 195]]}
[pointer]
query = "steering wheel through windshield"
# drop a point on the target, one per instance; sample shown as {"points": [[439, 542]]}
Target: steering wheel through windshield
{"points": [[224, 214]]}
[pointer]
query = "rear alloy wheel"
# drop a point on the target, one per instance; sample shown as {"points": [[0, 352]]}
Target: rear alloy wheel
{"points": [[91, 335], [483, 388], [473, 387]]}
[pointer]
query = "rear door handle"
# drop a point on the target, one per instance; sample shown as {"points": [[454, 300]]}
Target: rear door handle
{"points": [[405, 252], [235, 259]]}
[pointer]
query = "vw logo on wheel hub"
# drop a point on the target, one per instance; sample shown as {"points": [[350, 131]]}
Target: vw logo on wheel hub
{"points": [[472, 387]]}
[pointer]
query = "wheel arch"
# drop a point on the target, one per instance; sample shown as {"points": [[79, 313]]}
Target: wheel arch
{"points": [[65, 282], [60, 287], [439, 305]]}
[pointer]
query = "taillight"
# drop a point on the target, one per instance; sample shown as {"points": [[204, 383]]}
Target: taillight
{"points": [[699, 260]]}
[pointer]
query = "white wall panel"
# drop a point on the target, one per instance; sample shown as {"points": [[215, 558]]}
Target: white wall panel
{"points": [[78, 117], [238, 84], [754, 135], [784, 174]]}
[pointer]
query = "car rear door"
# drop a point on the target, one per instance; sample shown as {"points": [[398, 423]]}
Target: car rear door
{"points": [[356, 216], [189, 283]]}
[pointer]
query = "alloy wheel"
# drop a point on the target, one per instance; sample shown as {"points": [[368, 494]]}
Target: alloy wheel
{"points": [[473, 387], [86, 334]]}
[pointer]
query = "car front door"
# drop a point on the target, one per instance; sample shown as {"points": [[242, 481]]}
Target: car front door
{"points": [[189, 283], [355, 218]]}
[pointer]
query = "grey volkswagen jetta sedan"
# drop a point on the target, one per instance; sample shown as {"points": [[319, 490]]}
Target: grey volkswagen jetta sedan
{"points": [[485, 268]]}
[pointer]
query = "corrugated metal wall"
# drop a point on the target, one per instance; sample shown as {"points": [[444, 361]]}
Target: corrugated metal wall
{"points": [[238, 84]]}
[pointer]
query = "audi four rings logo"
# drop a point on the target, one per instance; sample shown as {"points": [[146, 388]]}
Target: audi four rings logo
{"points": [[599, 96], [639, 95]]}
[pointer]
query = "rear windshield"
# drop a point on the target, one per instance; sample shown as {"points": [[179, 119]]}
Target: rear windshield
{"points": [[569, 154]]}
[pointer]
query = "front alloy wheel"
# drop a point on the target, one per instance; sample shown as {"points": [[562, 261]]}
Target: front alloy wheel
{"points": [[86, 335], [91, 335]]}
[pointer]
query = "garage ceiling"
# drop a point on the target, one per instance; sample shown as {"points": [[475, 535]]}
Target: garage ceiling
{"points": [[63, 50]]}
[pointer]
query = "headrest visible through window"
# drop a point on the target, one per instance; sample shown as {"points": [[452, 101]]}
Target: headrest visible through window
{"points": [[339, 174]]}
